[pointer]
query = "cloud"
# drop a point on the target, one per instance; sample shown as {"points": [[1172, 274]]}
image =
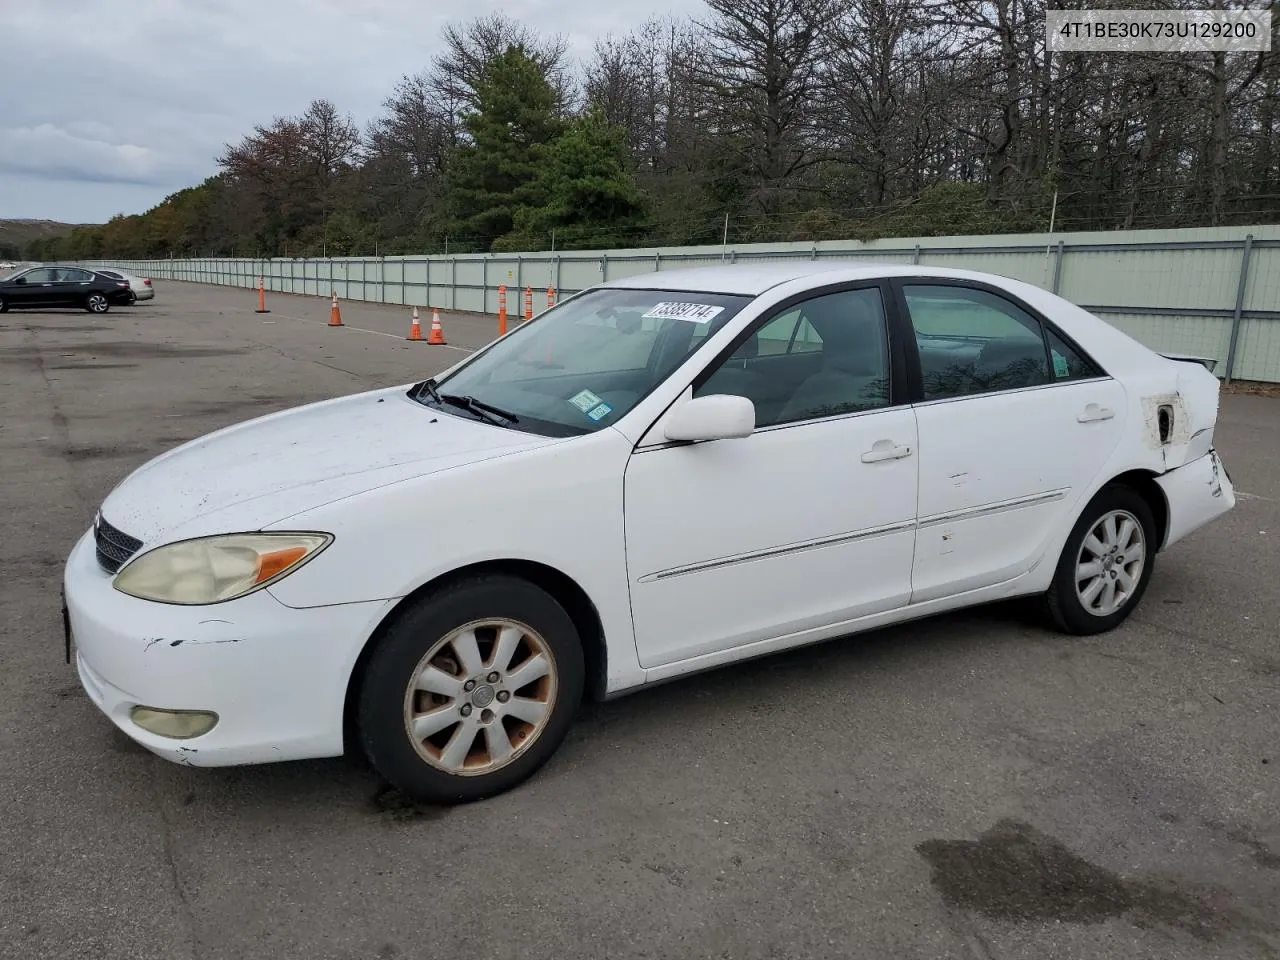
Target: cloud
{"points": [[129, 119], [59, 154]]}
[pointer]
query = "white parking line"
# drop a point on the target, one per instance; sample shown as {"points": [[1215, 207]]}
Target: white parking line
{"points": [[379, 333], [1253, 496]]}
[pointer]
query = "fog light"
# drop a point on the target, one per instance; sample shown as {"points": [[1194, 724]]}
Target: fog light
{"points": [[175, 724]]}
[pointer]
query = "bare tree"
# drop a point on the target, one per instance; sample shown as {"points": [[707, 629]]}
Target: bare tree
{"points": [[761, 67], [469, 46]]}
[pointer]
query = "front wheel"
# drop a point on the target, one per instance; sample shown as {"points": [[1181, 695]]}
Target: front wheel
{"points": [[471, 691], [97, 303], [1106, 564]]}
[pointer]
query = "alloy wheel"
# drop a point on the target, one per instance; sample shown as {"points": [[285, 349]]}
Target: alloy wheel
{"points": [[1109, 564], [480, 696]]}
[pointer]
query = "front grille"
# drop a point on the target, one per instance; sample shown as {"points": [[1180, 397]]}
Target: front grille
{"points": [[114, 546]]}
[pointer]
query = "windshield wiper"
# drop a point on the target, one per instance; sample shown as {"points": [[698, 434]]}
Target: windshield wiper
{"points": [[428, 387], [485, 411]]}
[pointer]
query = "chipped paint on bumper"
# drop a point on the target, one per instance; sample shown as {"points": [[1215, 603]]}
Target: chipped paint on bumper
{"points": [[275, 676]]}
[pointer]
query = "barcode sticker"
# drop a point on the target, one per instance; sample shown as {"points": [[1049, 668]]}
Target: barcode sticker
{"points": [[693, 312]]}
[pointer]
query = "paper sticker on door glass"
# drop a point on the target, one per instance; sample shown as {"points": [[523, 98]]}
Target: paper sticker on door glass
{"points": [[585, 400], [693, 312], [600, 412]]}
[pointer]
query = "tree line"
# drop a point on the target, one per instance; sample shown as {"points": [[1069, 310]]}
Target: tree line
{"points": [[758, 120]]}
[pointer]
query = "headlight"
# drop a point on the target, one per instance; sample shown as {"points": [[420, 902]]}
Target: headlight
{"points": [[214, 569]]}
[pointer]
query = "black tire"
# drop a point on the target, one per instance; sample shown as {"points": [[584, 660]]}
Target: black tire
{"points": [[97, 303], [4, 306], [1065, 607], [133, 298], [382, 719]]}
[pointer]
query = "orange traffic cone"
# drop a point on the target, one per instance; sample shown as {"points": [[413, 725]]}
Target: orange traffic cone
{"points": [[415, 328], [262, 297], [335, 315], [437, 331]]}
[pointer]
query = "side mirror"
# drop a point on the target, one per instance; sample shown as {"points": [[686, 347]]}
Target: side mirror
{"points": [[716, 417]]}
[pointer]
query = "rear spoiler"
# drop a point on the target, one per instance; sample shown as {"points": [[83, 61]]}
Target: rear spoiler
{"points": [[1207, 362]]}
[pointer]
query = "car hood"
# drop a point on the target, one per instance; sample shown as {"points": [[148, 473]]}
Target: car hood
{"points": [[262, 471]]}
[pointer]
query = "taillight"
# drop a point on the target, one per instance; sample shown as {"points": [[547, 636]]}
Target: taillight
{"points": [[147, 282]]}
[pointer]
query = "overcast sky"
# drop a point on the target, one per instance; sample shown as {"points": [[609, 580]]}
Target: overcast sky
{"points": [[111, 105]]}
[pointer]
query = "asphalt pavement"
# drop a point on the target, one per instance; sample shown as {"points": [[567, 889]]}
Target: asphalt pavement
{"points": [[972, 786]]}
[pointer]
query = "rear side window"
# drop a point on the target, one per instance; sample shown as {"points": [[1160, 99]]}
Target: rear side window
{"points": [[972, 342], [1067, 362]]}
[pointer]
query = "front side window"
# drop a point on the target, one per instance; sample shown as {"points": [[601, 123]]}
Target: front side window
{"points": [[585, 364], [821, 358], [38, 275], [971, 342], [70, 275]]}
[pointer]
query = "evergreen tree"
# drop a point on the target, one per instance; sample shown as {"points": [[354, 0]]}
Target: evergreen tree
{"points": [[498, 170], [584, 192]]}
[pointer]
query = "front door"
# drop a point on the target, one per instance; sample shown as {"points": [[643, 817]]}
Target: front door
{"points": [[36, 290], [806, 523], [1015, 424]]}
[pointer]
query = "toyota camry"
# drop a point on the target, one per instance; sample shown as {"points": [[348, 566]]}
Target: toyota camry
{"points": [[661, 475]]}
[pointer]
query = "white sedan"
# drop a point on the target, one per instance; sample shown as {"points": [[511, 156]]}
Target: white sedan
{"points": [[660, 475], [140, 287]]}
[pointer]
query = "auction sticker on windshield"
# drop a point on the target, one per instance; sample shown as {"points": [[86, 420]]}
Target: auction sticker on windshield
{"points": [[584, 400], [693, 312]]}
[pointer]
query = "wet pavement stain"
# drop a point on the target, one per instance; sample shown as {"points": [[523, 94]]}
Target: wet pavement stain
{"points": [[1015, 872], [390, 802]]}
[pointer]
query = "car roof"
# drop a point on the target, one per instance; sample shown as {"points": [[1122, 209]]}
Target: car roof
{"points": [[753, 279]]}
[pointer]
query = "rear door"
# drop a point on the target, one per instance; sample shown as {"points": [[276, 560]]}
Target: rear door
{"points": [[1015, 424], [71, 286]]}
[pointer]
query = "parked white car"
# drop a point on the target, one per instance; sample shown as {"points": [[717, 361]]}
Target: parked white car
{"points": [[140, 287], [660, 475]]}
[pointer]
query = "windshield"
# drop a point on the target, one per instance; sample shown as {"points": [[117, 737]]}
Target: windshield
{"points": [[586, 363]]}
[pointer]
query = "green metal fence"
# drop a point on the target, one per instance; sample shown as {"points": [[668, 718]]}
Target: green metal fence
{"points": [[1213, 292]]}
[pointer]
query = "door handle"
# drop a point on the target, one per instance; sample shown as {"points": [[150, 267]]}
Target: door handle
{"points": [[1094, 412], [886, 450]]}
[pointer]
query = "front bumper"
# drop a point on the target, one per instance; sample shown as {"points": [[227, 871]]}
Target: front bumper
{"points": [[275, 675], [1197, 493]]}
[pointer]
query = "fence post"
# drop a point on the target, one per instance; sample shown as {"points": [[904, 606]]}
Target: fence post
{"points": [[519, 273], [557, 271], [604, 268], [484, 285], [915, 256], [453, 283], [1057, 268], [657, 262], [1238, 314]]}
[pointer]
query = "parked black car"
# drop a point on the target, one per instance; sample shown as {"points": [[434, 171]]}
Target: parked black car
{"points": [[40, 287]]}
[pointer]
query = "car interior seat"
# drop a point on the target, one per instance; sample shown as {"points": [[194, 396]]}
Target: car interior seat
{"points": [[854, 372], [1007, 364]]}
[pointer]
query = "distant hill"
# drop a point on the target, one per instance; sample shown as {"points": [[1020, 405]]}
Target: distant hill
{"points": [[16, 234]]}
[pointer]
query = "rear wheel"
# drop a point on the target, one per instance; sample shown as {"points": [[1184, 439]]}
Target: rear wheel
{"points": [[471, 691], [1106, 564], [96, 303]]}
